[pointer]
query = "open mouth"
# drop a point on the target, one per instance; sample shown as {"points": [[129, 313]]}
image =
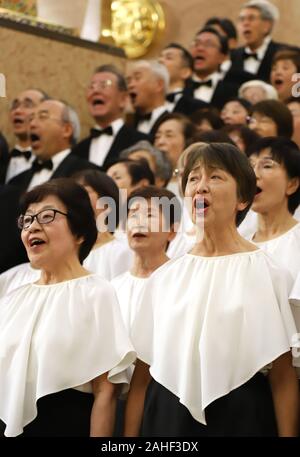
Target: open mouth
{"points": [[258, 190], [247, 33], [201, 204], [36, 242], [278, 82], [132, 96], [139, 235], [18, 121], [98, 101], [34, 138]]}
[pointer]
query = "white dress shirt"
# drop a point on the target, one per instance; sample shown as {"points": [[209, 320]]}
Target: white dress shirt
{"points": [[251, 64], [18, 164], [100, 146], [146, 126], [206, 93], [44, 175]]}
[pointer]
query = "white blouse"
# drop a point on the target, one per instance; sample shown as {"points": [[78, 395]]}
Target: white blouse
{"points": [[108, 261], [285, 249], [129, 290], [56, 337], [206, 325]]}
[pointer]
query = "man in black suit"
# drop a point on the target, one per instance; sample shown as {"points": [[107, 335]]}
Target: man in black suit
{"points": [[54, 127], [12, 251], [148, 83], [256, 21], [179, 64], [20, 157], [107, 97], [209, 49]]}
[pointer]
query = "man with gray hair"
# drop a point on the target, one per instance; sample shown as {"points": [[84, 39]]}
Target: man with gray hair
{"points": [[53, 129], [255, 23], [148, 83]]}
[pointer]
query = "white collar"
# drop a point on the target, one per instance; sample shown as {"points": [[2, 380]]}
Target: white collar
{"points": [[116, 125], [262, 48]]}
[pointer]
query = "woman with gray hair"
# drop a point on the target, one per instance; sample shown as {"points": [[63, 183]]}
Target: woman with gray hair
{"points": [[256, 91], [157, 160]]}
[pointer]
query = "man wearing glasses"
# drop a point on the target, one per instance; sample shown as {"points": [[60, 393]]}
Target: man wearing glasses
{"points": [[107, 99], [255, 23], [20, 157]]}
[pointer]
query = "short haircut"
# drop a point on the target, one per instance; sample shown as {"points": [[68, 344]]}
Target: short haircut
{"points": [[163, 165], [288, 54], [271, 92], [213, 136], [188, 128], [187, 58], [171, 211], [268, 11], [104, 186], [121, 81], [248, 136], [81, 219], [225, 24], [245, 104], [230, 159], [279, 113], [224, 49], [210, 115], [137, 170], [70, 116], [292, 100], [287, 153]]}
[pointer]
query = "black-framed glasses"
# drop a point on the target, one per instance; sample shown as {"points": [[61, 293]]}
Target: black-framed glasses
{"points": [[43, 217]]}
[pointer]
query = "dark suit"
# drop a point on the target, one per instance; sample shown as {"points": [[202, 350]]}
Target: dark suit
{"points": [[264, 69], [223, 92], [66, 168], [12, 251], [188, 105], [125, 138], [4, 158]]}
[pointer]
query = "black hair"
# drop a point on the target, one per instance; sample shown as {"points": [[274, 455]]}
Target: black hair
{"points": [[279, 113], [224, 49], [137, 169], [80, 218], [233, 161], [108, 68], [185, 54], [225, 24], [287, 153]]}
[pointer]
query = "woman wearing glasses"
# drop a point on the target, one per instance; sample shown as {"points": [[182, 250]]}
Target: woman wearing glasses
{"points": [[276, 162], [215, 325], [55, 378]]}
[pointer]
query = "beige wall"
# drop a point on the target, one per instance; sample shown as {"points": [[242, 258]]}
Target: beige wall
{"points": [[185, 17], [61, 69]]}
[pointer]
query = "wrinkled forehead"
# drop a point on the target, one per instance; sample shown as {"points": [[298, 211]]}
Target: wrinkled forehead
{"points": [[54, 107]]}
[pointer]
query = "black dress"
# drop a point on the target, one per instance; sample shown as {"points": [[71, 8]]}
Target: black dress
{"points": [[245, 411]]}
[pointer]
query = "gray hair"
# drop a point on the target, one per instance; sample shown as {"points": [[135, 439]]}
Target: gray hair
{"points": [[163, 165], [158, 69], [70, 116], [268, 11], [270, 91]]}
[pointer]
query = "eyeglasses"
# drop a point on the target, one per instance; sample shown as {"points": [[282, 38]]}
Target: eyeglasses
{"points": [[264, 165], [43, 217], [27, 103], [104, 84], [43, 116], [263, 120], [205, 44], [249, 18]]}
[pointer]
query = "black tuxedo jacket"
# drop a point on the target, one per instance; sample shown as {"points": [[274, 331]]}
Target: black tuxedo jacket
{"points": [[4, 158], [12, 251], [224, 91], [188, 105], [125, 138], [70, 165], [264, 69]]}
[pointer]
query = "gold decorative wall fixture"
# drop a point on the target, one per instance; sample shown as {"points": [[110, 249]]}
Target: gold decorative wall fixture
{"points": [[136, 24]]}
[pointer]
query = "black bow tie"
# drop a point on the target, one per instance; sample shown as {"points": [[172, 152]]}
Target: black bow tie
{"points": [[17, 153], [95, 133], [143, 117], [171, 97], [197, 84], [38, 165], [250, 54]]}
